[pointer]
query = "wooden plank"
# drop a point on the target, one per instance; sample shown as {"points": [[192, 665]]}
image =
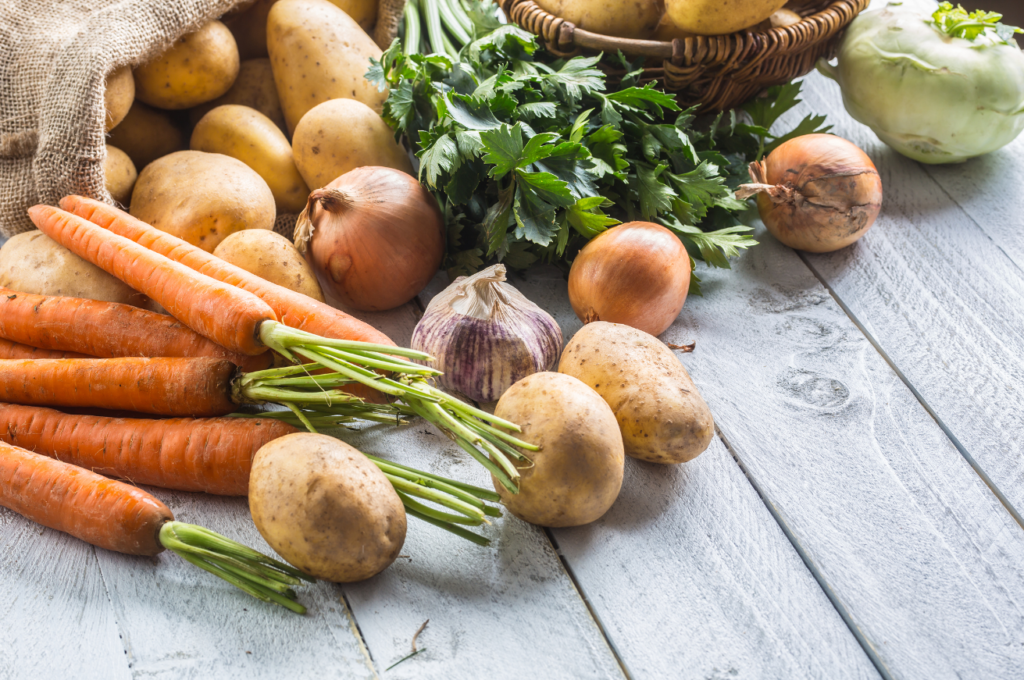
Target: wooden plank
{"points": [[178, 621], [940, 288], [56, 619], [692, 548], [508, 608], [914, 547]]}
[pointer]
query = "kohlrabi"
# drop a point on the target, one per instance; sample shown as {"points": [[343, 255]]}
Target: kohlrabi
{"points": [[940, 88]]}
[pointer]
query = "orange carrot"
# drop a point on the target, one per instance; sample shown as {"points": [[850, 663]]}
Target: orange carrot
{"points": [[100, 511], [106, 329], [167, 386], [210, 455], [223, 313], [293, 309], [14, 350]]}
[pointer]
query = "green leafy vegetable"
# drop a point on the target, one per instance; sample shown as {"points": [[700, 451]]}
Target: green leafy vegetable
{"points": [[956, 22], [532, 156]]}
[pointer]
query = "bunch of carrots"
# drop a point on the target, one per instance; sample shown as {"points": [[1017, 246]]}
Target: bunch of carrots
{"points": [[210, 356]]}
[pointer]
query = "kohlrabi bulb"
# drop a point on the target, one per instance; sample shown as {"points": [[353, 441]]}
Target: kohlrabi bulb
{"points": [[929, 94]]}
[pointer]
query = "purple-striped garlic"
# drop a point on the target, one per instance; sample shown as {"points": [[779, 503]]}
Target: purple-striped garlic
{"points": [[485, 335]]}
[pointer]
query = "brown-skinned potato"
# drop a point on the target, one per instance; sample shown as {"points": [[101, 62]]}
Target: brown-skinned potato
{"points": [[325, 507], [577, 473], [270, 256], [662, 416]]}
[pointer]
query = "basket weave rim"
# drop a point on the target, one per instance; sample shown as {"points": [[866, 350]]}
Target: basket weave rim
{"points": [[569, 34]]}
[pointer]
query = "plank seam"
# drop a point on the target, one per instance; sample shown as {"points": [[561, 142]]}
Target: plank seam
{"points": [[1014, 513], [358, 632], [586, 601], [113, 610], [840, 608]]}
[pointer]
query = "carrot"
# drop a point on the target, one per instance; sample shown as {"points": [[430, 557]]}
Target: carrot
{"points": [[117, 516], [81, 503], [106, 329], [293, 309], [223, 313], [14, 350], [166, 386], [209, 455]]}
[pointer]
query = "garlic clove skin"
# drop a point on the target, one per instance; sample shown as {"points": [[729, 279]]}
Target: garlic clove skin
{"points": [[485, 335]]}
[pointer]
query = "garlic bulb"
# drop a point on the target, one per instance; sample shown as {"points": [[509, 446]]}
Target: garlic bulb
{"points": [[485, 335]]}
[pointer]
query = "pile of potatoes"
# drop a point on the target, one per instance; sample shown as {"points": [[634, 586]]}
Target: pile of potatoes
{"points": [[228, 128], [670, 19]]}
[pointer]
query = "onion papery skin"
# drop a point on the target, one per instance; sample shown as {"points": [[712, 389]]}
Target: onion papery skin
{"points": [[637, 274], [482, 358], [383, 246], [830, 193]]}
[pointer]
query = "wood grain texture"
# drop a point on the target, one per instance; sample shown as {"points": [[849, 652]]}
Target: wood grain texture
{"points": [[939, 285], [689, 573], [915, 547], [177, 621], [56, 619]]}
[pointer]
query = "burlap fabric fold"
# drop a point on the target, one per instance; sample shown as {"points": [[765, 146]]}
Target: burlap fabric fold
{"points": [[54, 57]]}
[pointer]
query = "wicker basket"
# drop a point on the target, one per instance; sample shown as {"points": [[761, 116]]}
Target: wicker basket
{"points": [[718, 72]]}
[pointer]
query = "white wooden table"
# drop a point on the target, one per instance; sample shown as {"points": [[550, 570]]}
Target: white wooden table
{"points": [[857, 516]]}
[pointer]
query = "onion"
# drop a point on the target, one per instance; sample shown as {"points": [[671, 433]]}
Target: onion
{"points": [[636, 274], [375, 237], [485, 335], [817, 193]]}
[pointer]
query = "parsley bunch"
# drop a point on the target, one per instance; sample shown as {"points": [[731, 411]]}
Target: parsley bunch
{"points": [[530, 157]]}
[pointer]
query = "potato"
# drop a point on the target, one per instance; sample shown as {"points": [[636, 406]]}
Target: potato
{"points": [[270, 256], [364, 12], [202, 197], [118, 95], [341, 135], [254, 87], [667, 31], [119, 174], [324, 507], [661, 414], [145, 135], [199, 67], [715, 17], [32, 263], [621, 18], [250, 29], [251, 137], [319, 53], [577, 474]]}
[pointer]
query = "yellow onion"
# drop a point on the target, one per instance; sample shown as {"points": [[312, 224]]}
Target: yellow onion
{"points": [[375, 237], [817, 193], [485, 335], [636, 274]]}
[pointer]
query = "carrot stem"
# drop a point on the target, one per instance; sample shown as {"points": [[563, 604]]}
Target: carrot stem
{"points": [[447, 526], [261, 576]]}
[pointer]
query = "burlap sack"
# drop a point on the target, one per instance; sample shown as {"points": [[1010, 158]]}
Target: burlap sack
{"points": [[54, 58]]}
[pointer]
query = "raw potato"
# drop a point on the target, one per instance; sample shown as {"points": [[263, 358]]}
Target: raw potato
{"points": [[199, 67], [621, 18], [250, 29], [118, 95], [717, 17], [577, 474], [319, 53], [254, 87], [251, 137], [145, 135], [324, 507], [270, 256], [364, 12], [662, 415], [119, 174], [668, 31], [341, 135], [202, 197], [32, 263]]}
